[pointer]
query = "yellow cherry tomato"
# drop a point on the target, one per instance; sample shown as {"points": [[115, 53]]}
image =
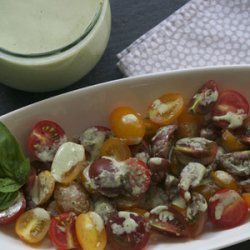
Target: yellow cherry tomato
{"points": [[33, 225], [90, 231], [166, 109], [116, 148], [127, 124]]}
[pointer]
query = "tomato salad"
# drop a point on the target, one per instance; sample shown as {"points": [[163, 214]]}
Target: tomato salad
{"points": [[172, 172]]}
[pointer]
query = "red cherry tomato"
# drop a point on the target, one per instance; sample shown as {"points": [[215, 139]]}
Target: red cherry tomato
{"points": [[12, 213], [138, 177], [127, 230], [62, 231], [230, 110], [107, 175], [44, 140], [227, 209]]}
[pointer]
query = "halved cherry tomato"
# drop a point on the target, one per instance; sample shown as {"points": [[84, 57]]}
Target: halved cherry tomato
{"points": [[168, 220], [42, 188], [204, 99], [227, 209], [138, 178], [127, 230], [166, 109], [44, 140], [33, 225], [90, 231], [230, 142], [11, 214], [62, 231], [230, 110], [116, 148], [189, 125], [127, 124]]}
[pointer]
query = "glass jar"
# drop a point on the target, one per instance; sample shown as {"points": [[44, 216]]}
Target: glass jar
{"points": [[51, 44]]}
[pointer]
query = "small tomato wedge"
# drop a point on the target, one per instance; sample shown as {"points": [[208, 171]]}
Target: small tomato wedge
{"points": [[62, 231], [227, 209], [166, 109], [168, 220], [33, 225], [90, 231], [230, 110], [11, 214], [44, 140]]}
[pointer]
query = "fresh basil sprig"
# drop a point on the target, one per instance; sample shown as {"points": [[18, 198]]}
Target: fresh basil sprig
{"points": [[14, 167]]}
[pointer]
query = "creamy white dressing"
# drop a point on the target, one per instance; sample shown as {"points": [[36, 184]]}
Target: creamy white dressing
{"points": [[207, 97], [235, 120], [97, 220], [37, 26], [191, 176], [67, 156], [162, 108], [41, 213], [129, 118], [128, 226]]}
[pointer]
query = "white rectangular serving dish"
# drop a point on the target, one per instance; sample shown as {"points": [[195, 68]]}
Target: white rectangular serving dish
{"points": [[77, 110]]}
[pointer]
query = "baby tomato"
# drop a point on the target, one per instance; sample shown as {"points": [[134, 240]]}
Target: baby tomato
{"points": [[33, 225], [116, 148], [227, 209], [166, 109], [62, 231], [44, 140], [90, 231], [127, 124]]}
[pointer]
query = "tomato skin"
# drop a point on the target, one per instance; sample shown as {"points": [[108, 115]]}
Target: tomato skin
{"points": [[12, 213], [166, 109], [62, 231], [234, 211], [46, 136], [229, 101]]}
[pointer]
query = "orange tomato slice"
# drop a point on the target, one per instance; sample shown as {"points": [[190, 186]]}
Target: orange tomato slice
{"points": [[166, 109], [116, 148]]}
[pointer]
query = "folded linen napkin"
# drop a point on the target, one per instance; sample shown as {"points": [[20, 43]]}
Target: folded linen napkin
{"points": [[201, 33]]}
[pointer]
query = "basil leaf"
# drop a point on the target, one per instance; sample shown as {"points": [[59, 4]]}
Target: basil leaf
{"points": [[7, 199], [8, 185], [13, 163]]}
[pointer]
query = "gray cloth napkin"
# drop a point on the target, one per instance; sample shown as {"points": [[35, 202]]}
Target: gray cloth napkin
{"points": [[201, 33]]}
